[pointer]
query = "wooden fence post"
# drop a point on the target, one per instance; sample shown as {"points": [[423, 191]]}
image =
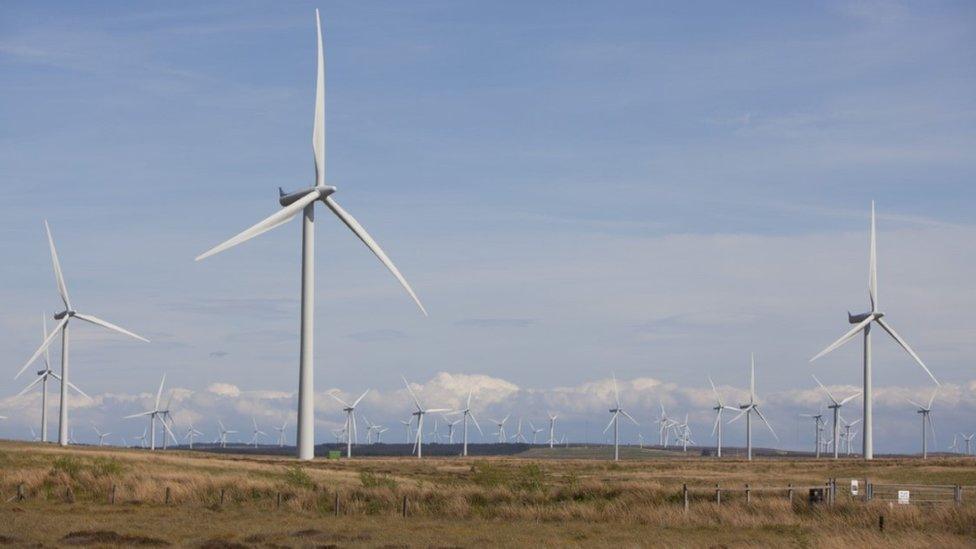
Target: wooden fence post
{"points": [[881, 522], [748, 494], [278, 501], [69, 495], [684, 489], [790, 491], [20, 492], [167, 495], [221, 497], [111, 495], [718, 495], [957, 494], [337, 503], [404, 506]]}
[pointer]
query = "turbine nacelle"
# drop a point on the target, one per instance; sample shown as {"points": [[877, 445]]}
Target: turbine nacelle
{"points": [[857, 319], [63, 314], [287, 199]]}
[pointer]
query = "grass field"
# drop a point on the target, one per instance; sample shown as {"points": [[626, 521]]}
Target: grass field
{"points": [[512, 501]]}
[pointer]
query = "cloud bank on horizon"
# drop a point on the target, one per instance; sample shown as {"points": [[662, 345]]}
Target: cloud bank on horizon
{"points": [[651, 190]]}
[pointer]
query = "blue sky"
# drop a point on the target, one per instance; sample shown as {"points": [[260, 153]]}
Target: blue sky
{"points": [[650, 189]]}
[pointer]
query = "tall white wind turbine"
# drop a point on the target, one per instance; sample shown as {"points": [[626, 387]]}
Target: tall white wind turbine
{"points": [[63, 318], [281, 433], [863, 323], [969, 442], [717, 427], [350, 410], [927, 427], [255, 432], [222, 433], [468, 414], [303, 202], [500, 424], [552, 428], [42, 377], [835, 405], [153, 414], [616, 412], [420, 413], [750, 407], [191, 433], [818, 427], [101, 436]]}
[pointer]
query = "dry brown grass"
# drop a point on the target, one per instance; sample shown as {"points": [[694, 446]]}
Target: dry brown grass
{"points": [[497, 501]]}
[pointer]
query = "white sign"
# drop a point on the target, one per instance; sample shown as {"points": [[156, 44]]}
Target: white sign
{"points": [[903, 497], [853, 487]]}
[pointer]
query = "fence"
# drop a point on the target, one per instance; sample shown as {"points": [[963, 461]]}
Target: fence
{"points": [[826, 494]]}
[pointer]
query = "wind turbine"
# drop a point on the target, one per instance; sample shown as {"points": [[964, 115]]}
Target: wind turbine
{"points": [[191, 433], [142, 438], [552, 428], [666, 423], [152, 414], [63, 318], [450, 429], [350, 410], [406, 426], [34, 437], [717, 427], [684, 434], [849, 434], [468, 413], [955, 443], [863, 323], [42, 377], [501, 427], [835, 406], [303, 202], [281, 434], [617, 411], [101, 435], [969, 441], [750, 407], [818, 426], [255, 432], [535, 432], [926, 419], [420, 413], [222, 433], [518, 436]]}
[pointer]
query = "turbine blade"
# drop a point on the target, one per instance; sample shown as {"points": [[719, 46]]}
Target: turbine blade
{"points": [[752, 377], [170, 431], [904, 345], [33, 383], [612, 418], [59, 277], [742, 412], [628, 416], [139, 415], [715, 391], [318, 123], [44, 345], [47, 355], [79, 391], [359, 231], [278, 218], [361, 397], [763, 418], [109, 325], [159, 392], [437, 410], [845, 338], [913, 403], [873, 266], [931, 400], [415, 399], [616, 392], [339, 400], [476, 423], [850, 398], [830, 396], [718, 418]]}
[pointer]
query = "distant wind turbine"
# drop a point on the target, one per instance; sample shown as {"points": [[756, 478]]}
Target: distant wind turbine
{"points": [[616, 412], [255, 432], [863, 323], [552, 428], [818, 427], [350, 410], [64, 317], [420, 413], [101, 435], [717, 427], [153, 414], [835, 406], [467, 413], [303, 201], [750, 407], [927, 426]]}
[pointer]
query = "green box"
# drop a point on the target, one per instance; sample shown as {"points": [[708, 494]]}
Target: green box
{"points": [[335, 454]]}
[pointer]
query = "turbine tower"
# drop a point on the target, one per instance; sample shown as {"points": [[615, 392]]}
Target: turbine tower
{"points": [[719, 408], [969, 441], [552, 428], [350, 410], [281, 434], [255, 432], [750, 407], [617, 411], [101, 435], [303, 202], [63, 318], [835, 406], [420, 413], [222, 433], [863, 323], [501, 427], [818, 428], [191, 433], [926, 423]]}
